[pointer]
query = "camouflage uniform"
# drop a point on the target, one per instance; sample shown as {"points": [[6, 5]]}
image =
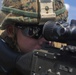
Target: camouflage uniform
{"points": [[28, 12]]}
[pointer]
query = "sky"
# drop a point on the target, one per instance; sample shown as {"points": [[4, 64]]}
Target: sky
{"points": [[72, 8], [71, 4]]}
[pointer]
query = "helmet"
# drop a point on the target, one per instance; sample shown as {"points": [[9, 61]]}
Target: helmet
{"points": [[32, 11]]}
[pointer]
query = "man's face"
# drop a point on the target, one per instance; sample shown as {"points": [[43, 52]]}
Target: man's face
{"points": [[26, 43]]}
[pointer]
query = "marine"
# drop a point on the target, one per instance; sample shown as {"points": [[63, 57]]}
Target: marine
{"points": [[22, 22]]}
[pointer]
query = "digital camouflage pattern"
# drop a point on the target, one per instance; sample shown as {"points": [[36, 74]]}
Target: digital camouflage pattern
{"points": [[21, 10], [28, 11], [26, 5], [59, 4]]}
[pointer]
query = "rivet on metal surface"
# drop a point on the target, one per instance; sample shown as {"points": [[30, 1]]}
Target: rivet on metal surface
{"points": [[58, 73], [34, 74], [45, 54], [39, 67], [49, 70], [37, 52], [54, 57]]}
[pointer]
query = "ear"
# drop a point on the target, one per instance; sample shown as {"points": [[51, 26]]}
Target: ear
{"points": [[10, 30]]}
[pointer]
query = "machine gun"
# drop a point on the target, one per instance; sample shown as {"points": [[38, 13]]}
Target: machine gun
{"points": [[48, 60]]}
